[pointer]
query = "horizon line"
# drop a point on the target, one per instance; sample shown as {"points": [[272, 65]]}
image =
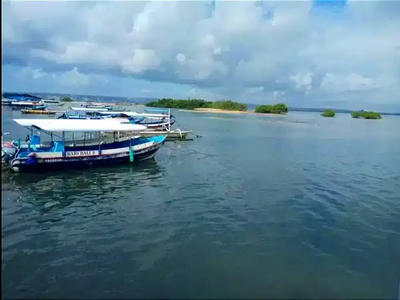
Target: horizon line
{"points": [[156, 98]]}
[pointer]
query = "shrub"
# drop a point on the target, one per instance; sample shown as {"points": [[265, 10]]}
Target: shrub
{"points": [[366, 115], [329, 113], [279, 108]]}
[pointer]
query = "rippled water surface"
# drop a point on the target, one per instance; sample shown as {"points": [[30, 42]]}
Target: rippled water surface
{"points": [[296, 206]]}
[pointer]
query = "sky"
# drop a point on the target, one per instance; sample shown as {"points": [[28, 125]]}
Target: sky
{"points": [[341, 54]]}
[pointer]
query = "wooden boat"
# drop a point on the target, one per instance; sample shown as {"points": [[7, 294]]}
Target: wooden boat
{"points": [[173, 135], [27, 104], [51, 101], [94, 105], [130, 114], [151, 121], [86, 109], [62, 154], [76, 116], [7, 150], [21, 97], [158, 119], [38, 112], [6, 102], [18, 101]]}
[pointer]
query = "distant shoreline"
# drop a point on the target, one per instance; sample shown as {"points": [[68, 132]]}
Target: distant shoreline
{"points": [[224, 111], [103, 103]]}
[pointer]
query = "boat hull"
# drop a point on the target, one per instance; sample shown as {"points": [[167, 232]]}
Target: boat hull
{"points": [[18, 106], [85, 162], [171, 136], [176, 135], [37, 112]]}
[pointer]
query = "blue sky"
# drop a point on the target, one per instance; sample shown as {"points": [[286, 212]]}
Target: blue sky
{"points": [[305, 53]]}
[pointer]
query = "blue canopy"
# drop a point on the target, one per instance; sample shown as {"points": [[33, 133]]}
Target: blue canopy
{"points": [[159, 110], [18, 97]]}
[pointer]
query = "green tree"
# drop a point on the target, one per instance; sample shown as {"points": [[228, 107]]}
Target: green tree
{"points": [[366, 115], [279, 108], [371, 115], [329, 113]]}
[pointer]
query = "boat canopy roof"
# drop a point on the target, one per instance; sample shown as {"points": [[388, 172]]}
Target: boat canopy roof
{"points": [[88, 109], [18, 96], [132, 114], [60, 125], [156, 109]]}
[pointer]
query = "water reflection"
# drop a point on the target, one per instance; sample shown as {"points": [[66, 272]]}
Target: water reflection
{"points": [[61, 189]]}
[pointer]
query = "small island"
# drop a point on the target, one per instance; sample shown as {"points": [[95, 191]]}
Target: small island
{"points": [[328, 113], [223, 106], [366, 115], [198, 104], [279, 108]]}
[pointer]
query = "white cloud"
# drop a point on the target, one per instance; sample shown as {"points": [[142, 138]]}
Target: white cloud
{"points": [[32, 73], [302, 80], [74, 79], [333, 83], [269, 49]]}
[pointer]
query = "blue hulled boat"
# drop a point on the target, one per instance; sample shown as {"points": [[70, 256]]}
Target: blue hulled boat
{"points": [[19, 101], [152, 121], [21, 97], [77, 116], [35, 156]]}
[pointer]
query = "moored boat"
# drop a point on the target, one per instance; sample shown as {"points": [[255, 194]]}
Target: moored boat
{"points": [[38, 112], [173, 135], [74, 115], [27, 104], [6, 102], [86, 109], [51, 101], [18, 101], [36, 156], [21, 97], [151, 121]]}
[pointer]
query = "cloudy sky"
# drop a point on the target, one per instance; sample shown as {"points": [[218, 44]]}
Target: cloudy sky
{"points": [[343, 54]]}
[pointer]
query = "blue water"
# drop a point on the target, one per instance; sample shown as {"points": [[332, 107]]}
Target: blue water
{"points": [[297, 206]]}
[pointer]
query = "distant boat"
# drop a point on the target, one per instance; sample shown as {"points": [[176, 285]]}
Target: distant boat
{"points": [[27, 104], [78, 154], [88, 109], [21, 97], [74, 115], [148, 120], [17, 100], [51, 101], [94, 105], [6, 102], [38, 111]]}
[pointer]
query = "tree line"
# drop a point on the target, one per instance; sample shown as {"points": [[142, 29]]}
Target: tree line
{"points": [[197, 103], [192, 104]]}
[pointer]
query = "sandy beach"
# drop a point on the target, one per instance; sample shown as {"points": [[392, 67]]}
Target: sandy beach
{"points": [[222, 111]]}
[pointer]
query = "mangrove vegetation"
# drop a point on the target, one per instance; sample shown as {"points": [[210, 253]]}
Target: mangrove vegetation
{"points": [[366, 115], [279, 108], [192, 104], [328, 113]]}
